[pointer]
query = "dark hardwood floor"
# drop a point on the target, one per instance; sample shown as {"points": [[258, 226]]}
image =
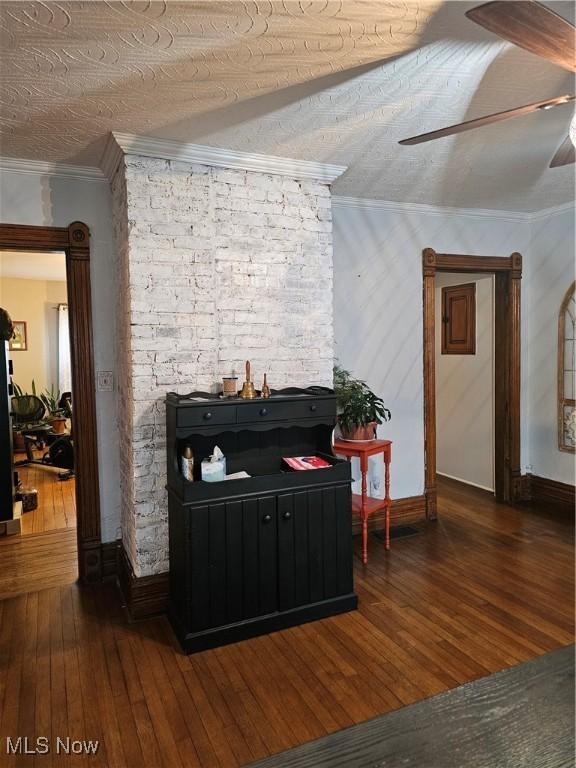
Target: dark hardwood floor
{"points": [[522, 717], [56, 498], [35, 561], [485, 587]]}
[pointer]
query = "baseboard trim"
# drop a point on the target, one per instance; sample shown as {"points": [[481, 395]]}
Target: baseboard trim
{"points": [[110, 555], [544, 490], [142, 596], [465, 482], [410, 509]]}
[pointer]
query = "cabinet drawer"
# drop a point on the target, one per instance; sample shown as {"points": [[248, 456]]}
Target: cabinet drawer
{"points": [[222, 414], [260, 412]]}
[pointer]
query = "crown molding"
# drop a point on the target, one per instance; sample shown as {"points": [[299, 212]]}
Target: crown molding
{"points": [[422, 208], [339, 201], [39, 167], [556, 210], [111, 156], [164, 149]]}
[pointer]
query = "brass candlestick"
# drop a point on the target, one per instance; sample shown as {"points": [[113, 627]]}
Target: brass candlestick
{"points": [[265, 388], [248, 392]]}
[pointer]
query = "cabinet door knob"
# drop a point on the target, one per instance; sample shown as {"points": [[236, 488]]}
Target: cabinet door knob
{"points": [[267, 518], [207, 415], [313, 407], [287, 515], [263, 411]]}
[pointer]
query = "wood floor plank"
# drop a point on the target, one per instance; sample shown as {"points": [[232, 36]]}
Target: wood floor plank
{"points": [[27, 709], [484, 588], [522, 717], [56, 498], [9, 715], [37, 561]]}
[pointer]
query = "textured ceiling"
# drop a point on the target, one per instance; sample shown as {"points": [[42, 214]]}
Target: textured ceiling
{"points": [[325, 80]]}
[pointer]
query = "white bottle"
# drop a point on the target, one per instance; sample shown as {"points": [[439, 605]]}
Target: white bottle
{"points": [[187, 463]]}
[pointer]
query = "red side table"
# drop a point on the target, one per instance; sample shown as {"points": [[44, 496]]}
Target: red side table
{"points": [[363, 504]]}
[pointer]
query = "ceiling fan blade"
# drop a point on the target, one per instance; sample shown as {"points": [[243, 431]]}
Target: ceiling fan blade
{"points": [[497, 117], [565, 154], [531, 26]]}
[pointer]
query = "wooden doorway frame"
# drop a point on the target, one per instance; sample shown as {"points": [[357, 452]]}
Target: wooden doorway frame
{"points": [[75, 242], [508, 273]]}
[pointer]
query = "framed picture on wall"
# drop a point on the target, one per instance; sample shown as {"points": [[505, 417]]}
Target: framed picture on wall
{"points": [[19, 341]]}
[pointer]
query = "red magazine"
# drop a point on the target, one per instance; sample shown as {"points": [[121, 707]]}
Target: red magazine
{"points": [[306, 462]]}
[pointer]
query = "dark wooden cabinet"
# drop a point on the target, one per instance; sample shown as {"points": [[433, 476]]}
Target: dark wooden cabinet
{"points": [[254, 555]]}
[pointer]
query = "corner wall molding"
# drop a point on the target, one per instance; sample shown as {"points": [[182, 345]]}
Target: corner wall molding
{"points": [[39, 167], [554, 211], [223, 158], [165, 149], [339, 201], [111, 157]]}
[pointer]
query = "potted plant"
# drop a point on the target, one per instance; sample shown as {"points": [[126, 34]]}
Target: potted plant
{"points": [[22, 424], [359, 409], [57, 417]]}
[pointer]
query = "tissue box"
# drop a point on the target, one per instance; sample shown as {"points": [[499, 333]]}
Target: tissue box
{"points": [[213, 471]]}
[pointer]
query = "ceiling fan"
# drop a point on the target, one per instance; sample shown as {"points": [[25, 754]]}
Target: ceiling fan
{"points": [[537, 29]]}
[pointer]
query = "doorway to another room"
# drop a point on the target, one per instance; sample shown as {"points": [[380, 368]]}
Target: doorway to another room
{"points": [[51, 439], [480, 413], [464, 365], [33, 290]]}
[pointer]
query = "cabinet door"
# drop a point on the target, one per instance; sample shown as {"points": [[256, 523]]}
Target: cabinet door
{"points": [[246, 555], [314, 546], [234, 563]]}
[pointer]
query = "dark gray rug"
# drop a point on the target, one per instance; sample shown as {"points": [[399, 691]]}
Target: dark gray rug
{"points": [[398, 532], [522, 717]]}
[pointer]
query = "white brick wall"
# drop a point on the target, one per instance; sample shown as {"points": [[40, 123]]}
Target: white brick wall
{"points": [[216, 267]]}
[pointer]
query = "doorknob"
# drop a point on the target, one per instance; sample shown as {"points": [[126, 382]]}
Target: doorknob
{"points": [[287, 515], [267, 518]]}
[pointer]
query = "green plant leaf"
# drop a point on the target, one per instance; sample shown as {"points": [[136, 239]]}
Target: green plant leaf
{"points": [[357, 404]]}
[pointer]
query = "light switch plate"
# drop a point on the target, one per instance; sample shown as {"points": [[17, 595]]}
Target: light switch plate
{"points": [[105, 381]]}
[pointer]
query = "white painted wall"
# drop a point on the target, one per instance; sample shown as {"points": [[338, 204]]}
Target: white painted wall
{"points": [[49, 200], [378, 307], [465, 392], [549, 274], [377, 317]]}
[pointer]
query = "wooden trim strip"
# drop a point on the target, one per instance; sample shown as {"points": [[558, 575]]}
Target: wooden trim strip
{"points": [[24, 237], [75, 242], [448, 262], [142, 596], [544, 490], [562, 401], [110, 560], [411, 509], [508, 273]]}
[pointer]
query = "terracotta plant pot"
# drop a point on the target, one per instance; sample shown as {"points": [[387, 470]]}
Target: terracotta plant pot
{"points": [[58, 425], [363, 432]]}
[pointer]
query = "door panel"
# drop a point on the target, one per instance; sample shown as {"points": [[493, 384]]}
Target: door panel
{"points": [[459, 319]]}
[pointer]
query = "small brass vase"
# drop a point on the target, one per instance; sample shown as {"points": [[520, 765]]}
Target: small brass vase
{"points": [[265, 388]]}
